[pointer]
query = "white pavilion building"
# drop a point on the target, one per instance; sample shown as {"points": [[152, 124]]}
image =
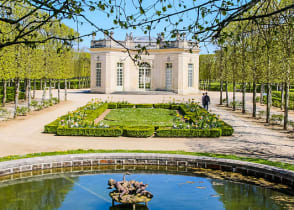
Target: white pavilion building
{"points": [[170, 66]]}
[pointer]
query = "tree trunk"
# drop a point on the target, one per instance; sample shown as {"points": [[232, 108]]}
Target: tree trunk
{"points": [[58, 90], [65, 90], [79, 82], [35, 87], [268, 102], [26, 89], [69, 84], [234, 96], [50, 89], [227, 95], [286, 109], [243, 98], [29, 94], [16, 95], [44, 90], [261, 93], [221, 93], [41, 84], [4, 92], [254, 100], [282, 96]]}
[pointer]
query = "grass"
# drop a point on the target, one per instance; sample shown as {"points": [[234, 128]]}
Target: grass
{"points": [[142, 117], [80, 151]]}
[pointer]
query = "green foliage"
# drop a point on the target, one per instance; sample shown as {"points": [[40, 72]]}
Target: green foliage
{"points": [[170, 132], [10, 94], [22, 111], [138, 131], [52, 127], [82, 117], [141, 122], [124, 105], [162, 106], [175, 107], [144, 106], [227, 130], [140, 117], [112, 105], [101, 132], [277, 118]]}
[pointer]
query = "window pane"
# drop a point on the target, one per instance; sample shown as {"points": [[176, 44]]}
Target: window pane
{"points": [[119, 74], [168, 76], [190, 75], [98, 74]]}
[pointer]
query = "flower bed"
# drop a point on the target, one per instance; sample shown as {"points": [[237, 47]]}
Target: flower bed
{"points": [[140, 120]]}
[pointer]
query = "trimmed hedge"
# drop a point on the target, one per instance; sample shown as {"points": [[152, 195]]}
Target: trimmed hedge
{"points": [[112, 106], [169, 132], [103, 132], [52, 127], [191, 113], [125, 105], [227, 131], [162, 106], [175, 107], [91, 116], [138, 131], [144, 105]]}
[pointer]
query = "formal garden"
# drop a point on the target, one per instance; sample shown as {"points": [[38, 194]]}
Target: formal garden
{"points": [[140, 120]]}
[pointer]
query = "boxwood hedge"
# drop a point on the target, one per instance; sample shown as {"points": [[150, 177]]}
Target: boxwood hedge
{"points": [[92, 113], [144, 105], [102, 132], [145, 131], [169, 132]]}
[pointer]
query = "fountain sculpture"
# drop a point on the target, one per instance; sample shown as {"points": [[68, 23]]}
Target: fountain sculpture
{"points": [[129, 192]]}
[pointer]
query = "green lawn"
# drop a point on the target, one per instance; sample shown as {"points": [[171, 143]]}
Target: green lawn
{"points": [[142, 117]]}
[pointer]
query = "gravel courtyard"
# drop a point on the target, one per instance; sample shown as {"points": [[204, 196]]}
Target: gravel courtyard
{"points": [[24, 134]]}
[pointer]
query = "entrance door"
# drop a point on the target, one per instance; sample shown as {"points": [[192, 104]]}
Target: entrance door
{"points": [[144, 76], [168, 77]]}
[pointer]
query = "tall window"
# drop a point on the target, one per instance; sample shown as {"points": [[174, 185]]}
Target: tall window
{"points": [[190, 74], [168, 76], [119, 74], [98, 74]]}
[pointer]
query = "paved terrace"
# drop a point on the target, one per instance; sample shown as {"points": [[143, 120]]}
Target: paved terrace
{"points": [[24, 134]]}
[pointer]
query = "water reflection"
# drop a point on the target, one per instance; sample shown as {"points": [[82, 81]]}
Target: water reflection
{"points": [[171, 191]]}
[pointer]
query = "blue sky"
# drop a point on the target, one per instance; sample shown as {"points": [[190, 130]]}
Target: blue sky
{"points": [[101, 20]]}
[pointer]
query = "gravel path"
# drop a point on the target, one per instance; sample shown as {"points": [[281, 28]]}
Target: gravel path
{"points": [[24, 135]]}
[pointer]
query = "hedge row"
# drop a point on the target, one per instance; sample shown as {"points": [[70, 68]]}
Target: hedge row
{"points": [[145, 131], [125, 105], [10, 94], [103, 132], [161, 106], [91, 116], [144, 105], [169, 132], [141, 132]]}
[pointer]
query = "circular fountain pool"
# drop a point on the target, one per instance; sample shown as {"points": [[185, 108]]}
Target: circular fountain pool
{"points": [[172, 189]]}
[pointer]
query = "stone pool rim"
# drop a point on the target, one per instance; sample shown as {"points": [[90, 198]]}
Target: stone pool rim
{"points": [[270, 173]]}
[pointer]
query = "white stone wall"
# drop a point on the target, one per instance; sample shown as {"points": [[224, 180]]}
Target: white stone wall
{"points": [[157, 60]]}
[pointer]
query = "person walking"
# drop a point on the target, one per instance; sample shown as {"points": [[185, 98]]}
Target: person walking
{"points": [[206, 101], [202, 99]]}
